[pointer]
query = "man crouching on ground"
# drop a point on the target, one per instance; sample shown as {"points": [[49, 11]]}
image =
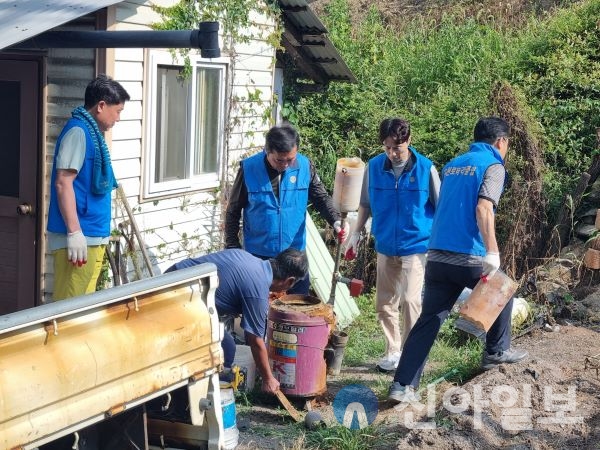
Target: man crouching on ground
{"points": [[244, 285]]}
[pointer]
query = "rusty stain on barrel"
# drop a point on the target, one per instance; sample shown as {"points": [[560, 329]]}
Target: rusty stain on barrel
{"points": [[298, 330]]}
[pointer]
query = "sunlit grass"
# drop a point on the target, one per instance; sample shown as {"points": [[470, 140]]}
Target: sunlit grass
{"points": [[342, 438], [365, 339]]}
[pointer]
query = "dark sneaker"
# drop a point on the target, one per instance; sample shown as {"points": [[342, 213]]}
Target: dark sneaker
{"points": [[403, 394], [510, 356], [226, 377]]}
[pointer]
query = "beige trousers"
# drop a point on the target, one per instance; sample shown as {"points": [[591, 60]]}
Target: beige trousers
{"points": [[399, 285]]}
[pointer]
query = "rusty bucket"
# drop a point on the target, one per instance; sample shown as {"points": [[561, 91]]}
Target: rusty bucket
{"points": [[486, 301], [298, 331]]}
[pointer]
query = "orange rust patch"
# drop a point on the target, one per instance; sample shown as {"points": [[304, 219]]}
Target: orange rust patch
{"points": [[305, 304]]}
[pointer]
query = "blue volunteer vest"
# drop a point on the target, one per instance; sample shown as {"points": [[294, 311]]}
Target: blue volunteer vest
{"points": [[93, 210], [272, 225], [401, 211], [455, 225]]}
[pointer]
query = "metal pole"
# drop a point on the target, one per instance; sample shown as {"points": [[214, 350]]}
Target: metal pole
{"points": [[205, 38], [336, 267]]}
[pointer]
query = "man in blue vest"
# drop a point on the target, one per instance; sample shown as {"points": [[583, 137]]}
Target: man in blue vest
{"points": [[400, 191], [80, 190], [272, 190], [244, 284], [462, 249]]}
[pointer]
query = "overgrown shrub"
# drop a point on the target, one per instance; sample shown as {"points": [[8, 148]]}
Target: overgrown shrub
{"points": [[439, 74]]}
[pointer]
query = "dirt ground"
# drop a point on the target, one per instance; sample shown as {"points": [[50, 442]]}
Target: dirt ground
{"points": [[549, 401]]}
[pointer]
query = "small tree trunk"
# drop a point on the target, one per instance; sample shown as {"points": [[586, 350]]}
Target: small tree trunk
{"points": [[564, 222]]}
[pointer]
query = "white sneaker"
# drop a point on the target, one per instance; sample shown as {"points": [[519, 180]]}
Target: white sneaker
{"points": [[389, 362]]}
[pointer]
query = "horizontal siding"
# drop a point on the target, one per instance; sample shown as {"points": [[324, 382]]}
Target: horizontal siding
{"points": [[129, 26], [131, 185], [243, 144], [253, 77], [134, 89], [129, 54], [254, 47], [127, 129], [254, 62], [136, 13], [132, 110], [127, 168], [129, 71], [125, 149], [186, 225]]}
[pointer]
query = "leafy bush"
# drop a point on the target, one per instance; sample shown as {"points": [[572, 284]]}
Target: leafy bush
{"points": [[438, 74]]}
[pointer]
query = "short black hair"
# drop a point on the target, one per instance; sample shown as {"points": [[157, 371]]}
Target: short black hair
{"points": [[290, 263], [395, 128], [104, 88], [490, 129], [282, 139]]}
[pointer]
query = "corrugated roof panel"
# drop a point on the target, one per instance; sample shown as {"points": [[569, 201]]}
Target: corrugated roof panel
{"points": [[309, 36], [23, 19], [321, 266]]}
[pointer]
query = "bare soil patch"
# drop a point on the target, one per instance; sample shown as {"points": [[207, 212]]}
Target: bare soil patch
{"points": [[549, 401]]}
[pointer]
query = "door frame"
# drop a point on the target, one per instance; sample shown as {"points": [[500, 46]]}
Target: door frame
{"points": [[38, 57]]}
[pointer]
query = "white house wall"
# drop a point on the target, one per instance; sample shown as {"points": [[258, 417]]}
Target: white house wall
{"points": [[189, 224]]}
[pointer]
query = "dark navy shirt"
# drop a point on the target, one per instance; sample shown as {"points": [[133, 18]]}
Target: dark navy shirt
{"points": [[244, 284]]}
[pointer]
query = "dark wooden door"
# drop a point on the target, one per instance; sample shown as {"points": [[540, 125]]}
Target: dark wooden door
{"points": [[19, 144]]}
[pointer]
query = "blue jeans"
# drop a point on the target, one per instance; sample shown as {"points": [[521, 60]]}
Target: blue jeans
{"points": [[228, 346], [443, 284]]}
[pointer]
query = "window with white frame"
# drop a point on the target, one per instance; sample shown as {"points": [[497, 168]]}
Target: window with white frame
{"points": [[185, 125]]}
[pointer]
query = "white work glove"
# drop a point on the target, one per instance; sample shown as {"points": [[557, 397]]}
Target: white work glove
{"points": [[341, 233], [352, 246], [491, 263], [77, 248]]}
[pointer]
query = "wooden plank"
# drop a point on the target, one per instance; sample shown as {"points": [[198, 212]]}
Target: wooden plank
{"points": [[288, 406]]}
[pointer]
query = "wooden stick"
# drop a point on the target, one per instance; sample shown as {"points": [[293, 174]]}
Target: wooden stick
{"points": [[134, 227], [288, 406]]}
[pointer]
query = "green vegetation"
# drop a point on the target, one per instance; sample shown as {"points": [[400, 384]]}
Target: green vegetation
{"points": [[341, 438], [438, 72], [365, 340], [454, 355]]}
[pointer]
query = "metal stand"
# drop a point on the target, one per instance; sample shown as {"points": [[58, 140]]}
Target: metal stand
{"points": [[336, 274]]}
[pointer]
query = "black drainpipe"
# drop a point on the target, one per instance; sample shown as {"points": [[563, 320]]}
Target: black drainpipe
{"points": [[205, 38]]}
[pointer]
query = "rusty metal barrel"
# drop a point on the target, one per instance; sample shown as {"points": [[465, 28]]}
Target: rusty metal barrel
{"points": [[298, 330]]}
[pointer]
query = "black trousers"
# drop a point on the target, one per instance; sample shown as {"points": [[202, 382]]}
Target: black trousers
{"points": [[443, 284]]}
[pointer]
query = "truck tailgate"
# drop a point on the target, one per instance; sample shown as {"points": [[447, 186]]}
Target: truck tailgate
{"points": [[71, 363]]}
